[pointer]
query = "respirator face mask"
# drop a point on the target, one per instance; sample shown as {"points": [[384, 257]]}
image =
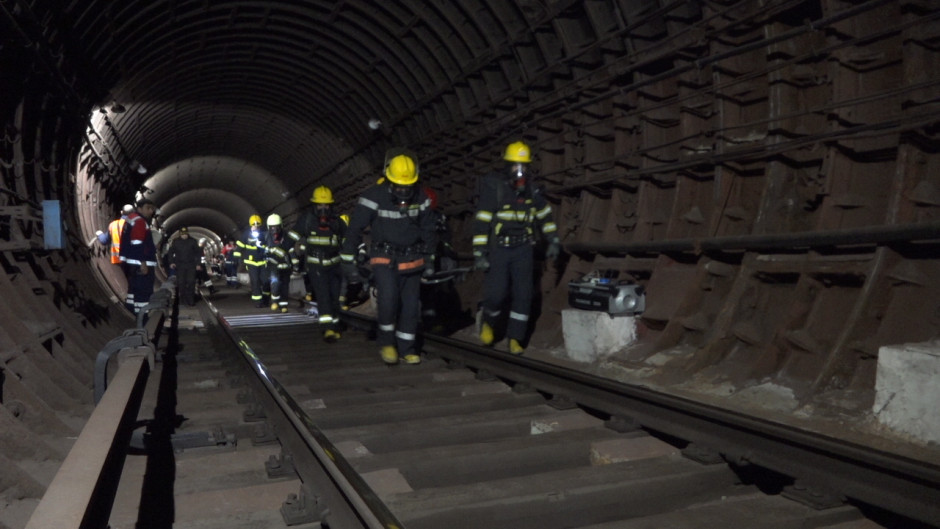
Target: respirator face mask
{"points": [[402, 194], [518, 176]]}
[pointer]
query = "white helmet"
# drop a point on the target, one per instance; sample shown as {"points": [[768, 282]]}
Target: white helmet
{"points": [[274, 220]]}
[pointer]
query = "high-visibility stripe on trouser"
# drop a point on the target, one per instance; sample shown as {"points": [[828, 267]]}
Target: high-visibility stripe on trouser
{"points": [[399, 308], [326, 282]]}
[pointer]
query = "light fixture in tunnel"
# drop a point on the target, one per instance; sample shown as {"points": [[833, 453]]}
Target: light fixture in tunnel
{"points": [[117, 108], [599, 291], [375, 124]]}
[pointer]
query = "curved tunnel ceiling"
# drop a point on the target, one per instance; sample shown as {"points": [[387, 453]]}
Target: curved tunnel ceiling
{"points": [[289, 87]]}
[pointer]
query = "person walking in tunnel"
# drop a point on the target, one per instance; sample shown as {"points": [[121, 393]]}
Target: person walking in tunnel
{"points": [[139, 255], [184, 260], [202, 271], [318, 236], [279, 257], [398, 213], [230, 264], [512, 213], [251, 252], [115, 229]]}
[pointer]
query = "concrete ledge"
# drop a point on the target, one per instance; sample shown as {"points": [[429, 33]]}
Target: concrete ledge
{"points": [[592, 335], [906, 389]]}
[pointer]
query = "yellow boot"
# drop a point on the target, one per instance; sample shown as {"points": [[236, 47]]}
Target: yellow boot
{"points": [[331, 336], [486, 334], [389, 354], [412, 359], [275, 306], [515, 347]]}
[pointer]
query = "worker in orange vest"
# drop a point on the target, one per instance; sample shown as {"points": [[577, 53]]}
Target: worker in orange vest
{"points": [[115, 229]]}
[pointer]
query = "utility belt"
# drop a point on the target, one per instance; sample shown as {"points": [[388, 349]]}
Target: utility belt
{"points": [[508, 241], [399, 252]]}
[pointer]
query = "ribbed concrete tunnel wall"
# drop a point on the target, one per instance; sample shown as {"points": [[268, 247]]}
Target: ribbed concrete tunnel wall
{"points": [[768, 170]]}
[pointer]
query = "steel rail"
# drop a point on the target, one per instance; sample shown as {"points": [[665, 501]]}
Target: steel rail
{"points": [[342, 497], [845, 470]]}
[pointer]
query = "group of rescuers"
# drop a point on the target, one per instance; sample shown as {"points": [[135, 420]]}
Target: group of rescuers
{"points": [[407, 235]]}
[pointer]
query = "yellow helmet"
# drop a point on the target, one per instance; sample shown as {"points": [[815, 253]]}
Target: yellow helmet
{"points": [[401, 171], [254, 220], [518, 152], [274, 220], [322, 195]]}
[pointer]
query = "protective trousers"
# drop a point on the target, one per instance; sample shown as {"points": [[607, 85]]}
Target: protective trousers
{"points": [[258, 277], [186, 284], [399, 307], [326, 282], [280, 287], [139, 287], [510, 271]]}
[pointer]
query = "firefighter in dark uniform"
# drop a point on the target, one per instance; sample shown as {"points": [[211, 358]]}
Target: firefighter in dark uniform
{"points": [[318, 236], [138, 253], [279, 257], [398, 213], [512, 215], [251, 252]]}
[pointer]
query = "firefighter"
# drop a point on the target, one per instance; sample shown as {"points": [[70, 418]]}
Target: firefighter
{"points": [[398, 213], [318, 236], [251, 252], [183, 256], [512, 215], [279, 257], [139, 255]]}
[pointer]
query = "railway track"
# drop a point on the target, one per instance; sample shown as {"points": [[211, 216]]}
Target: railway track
{"points": [[465, 439]]}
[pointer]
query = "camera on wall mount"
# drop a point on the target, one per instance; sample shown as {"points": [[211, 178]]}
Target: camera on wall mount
{"points": [[601, 290]]}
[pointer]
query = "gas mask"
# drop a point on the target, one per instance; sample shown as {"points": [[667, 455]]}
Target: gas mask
{"points": [[402, 195], [518, 175], [323, 213]]}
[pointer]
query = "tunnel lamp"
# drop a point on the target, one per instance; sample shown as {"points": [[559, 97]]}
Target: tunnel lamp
{"points": [[374, 124], [118, 108], [601, 292]]}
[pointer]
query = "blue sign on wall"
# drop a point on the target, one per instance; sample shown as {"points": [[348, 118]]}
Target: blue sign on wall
{"points": [[53, 234]]}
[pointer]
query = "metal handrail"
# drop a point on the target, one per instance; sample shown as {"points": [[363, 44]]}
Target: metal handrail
{"points": [[82, 492]]}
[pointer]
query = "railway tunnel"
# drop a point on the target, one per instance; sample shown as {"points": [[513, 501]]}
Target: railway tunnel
{"points": [[766, 171]]}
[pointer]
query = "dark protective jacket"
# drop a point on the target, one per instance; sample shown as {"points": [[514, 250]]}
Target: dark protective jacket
{"points": [[137, 245], [398, 233], [279, 247], [250, 248], [506, 218], [185, 252], [319, 243]]}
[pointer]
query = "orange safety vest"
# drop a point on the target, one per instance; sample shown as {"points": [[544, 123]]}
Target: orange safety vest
{"points": [[115, 228]]}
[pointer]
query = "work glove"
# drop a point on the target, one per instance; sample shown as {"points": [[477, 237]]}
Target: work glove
{"points": [[448, 263], [351, 272], [553, 250], [481, 263]]}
